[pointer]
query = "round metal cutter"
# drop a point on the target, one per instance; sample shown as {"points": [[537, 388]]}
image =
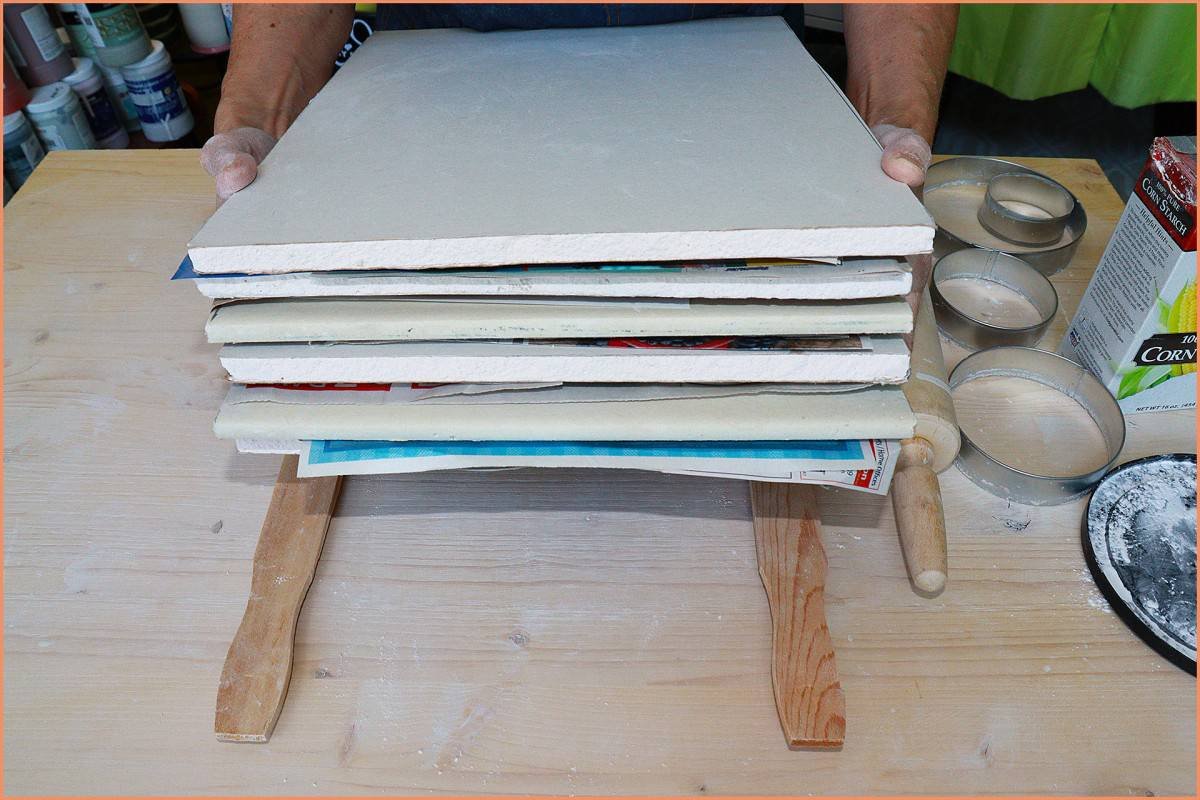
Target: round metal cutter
{"points": [[1011, 478], [970, 326], [1026, 208]]}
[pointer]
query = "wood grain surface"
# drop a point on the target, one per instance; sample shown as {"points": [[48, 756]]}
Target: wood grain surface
{"points": [[513, 632]]}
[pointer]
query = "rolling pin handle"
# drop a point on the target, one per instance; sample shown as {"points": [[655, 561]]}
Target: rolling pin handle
{"points": [[920, 519]]}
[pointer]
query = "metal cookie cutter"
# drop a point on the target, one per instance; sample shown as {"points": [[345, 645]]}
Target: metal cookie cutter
{"points": [[1011, 481], [954, 191], [1025, 208], [970, 328]]}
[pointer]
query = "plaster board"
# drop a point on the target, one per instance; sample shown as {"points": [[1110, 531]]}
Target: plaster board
{"points": [[853, 279], [882, 359], [876, 412], [713, 139], [507, 394], [398, 319]]}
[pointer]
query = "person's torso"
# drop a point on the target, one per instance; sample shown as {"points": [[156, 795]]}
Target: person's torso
{"points": [[501, 16]]}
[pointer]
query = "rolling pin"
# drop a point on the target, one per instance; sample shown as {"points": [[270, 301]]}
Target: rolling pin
{"points": [[916, 494]]}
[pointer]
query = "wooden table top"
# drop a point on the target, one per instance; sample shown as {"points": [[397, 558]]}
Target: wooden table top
{"points": [[530, 631]]}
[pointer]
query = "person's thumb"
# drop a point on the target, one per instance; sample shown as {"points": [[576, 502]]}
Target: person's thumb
{"points": [[906, 155], [232, 158]]}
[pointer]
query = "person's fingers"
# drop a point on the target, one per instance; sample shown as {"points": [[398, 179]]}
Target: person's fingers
{"points": [[232, 158], [900, 166], [216, 152], [906, 155], [255, 141], [238, 172]]}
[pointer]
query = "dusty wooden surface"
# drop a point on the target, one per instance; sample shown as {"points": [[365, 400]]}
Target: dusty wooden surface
{"points": [[516, 632]]}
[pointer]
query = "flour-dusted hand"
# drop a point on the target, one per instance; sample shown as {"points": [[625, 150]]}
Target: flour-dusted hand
{"points": [[906, 154], [232, 158], [896, 57], [279, 58]]}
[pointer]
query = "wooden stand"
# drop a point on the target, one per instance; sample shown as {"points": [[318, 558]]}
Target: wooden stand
{"points": [[254, 682], [791, 562]]}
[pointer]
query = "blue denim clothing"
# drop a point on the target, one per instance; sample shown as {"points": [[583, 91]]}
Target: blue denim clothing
{"points": [[500, 16]]}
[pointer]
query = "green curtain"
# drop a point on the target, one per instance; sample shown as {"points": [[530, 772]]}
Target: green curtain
{"points": [[1132, 54]]}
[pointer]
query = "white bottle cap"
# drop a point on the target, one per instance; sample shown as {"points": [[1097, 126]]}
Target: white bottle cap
{"points": [[154, 64], [50, 97], [14, 122]]}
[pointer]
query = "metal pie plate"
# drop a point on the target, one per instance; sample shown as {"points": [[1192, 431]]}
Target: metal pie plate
{"points": [[954, 191], [1139, 536]]}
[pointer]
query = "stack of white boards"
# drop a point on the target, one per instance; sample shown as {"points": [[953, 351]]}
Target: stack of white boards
{"points": [[664, 247]]}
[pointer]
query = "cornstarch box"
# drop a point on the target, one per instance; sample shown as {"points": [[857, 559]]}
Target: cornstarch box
{"points": [[1136, 325]]}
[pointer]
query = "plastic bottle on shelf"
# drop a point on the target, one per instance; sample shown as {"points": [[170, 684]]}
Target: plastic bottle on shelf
{"points": [[77, 32], [32, 42], [206, 27], [114, 84], [103, 118], [118, 92], [163, 22], [58, 117], [116, 32], [22, 150], [155, 91], [16, 94]]}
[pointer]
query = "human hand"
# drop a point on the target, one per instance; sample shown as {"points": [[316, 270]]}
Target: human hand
{"points": [[906, 154], [232, 158]]}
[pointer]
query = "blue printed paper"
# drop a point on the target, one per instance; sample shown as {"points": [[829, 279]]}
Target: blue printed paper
{"points": [[769, 460], [334, 450]]}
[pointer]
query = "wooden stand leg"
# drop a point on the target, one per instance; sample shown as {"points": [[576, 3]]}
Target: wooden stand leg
{"points": [[791, 562], [255, 679]]}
